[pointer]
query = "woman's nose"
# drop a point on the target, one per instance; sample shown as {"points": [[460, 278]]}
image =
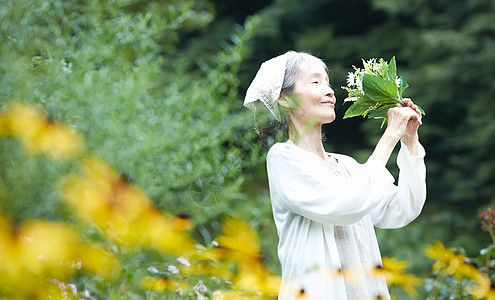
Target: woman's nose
{"points": [[329, 92]]}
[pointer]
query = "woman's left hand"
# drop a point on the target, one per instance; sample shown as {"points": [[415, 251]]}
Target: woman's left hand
{"points": [[413, 124]]}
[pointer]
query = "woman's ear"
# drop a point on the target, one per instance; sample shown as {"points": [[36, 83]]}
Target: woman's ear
{"points": [[283, 101]]}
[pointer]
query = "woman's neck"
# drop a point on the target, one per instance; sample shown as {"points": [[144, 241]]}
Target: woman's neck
{"points": [[308, 138]]}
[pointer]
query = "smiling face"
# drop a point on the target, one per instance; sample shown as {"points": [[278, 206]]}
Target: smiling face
{"points": [[315, 97]]}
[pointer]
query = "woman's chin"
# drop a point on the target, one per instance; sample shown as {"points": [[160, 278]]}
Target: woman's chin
{"points": [[328, 119]]}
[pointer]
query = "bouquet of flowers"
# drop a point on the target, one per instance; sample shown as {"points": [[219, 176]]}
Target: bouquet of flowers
{"points": [[374, 89]]}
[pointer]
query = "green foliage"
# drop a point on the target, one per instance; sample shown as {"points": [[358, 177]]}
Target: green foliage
{"points": [[171, 124]]}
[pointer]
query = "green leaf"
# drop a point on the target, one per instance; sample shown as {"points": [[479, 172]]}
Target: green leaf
{"points": [[380, 90], [359, 107], [380, 111], [403, 85], [421, 110], [392, 69]]}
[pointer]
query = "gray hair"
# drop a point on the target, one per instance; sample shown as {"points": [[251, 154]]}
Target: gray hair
{"points": [[294, 61]]}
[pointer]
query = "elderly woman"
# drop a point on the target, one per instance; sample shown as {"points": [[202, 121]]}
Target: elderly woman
{"points": [[325, 204]]}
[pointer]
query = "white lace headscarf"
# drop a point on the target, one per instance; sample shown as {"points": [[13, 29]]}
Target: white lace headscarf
{"points": [[274, 76], [267, 85]]}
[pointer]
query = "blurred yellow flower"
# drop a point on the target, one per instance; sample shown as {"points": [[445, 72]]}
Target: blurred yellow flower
{"points": [[466, 270], [155, 284], [122, 211], [229, 295], [394, 272], [350, 275], [59, 141], [241, 244], [256, 279], [162, 284], [23, 121], [240, 239], [484, 288], [41, 250], [445, 259], [37, 134]]}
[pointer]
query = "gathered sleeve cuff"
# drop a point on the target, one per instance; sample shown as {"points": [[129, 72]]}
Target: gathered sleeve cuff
{"points": [[304, 184], [405, 201]]}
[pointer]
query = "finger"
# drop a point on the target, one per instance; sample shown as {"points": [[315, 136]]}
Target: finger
{"points": [[406, 101], [419, 119]]}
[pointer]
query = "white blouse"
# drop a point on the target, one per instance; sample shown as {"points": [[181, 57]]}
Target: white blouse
{"points": [[325, 217]]}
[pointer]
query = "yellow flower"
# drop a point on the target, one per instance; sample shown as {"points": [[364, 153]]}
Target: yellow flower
{"points": [[241, 239], [24, 122], [40, 250], [37, 134], [256, 279], [122, 211], [484, 288], [350, 275], [393, 270], [229, 295], [242, 246], [293, 289], [155, 284], [446, 259], [59, 141], [450, 263], [162, 284], [466, 270]]}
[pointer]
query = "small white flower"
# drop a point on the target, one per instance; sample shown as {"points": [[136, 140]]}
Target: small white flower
{"points": [[180, 291], [66, 66], [351, 79], [229, 282], [200, 297], [73, 288], [359, 85], [173, 269], [217, 293], [200, 286], [397, 81], [216, 279], [376, 67], [61, 285], [86, 293], [153, 270], [183, 261], [215, 243], [351, 99], [370, 62]]}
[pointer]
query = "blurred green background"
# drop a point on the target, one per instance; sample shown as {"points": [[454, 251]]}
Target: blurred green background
{"points": [[156, 88]]}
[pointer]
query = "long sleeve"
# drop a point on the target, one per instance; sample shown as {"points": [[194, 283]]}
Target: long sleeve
{"points": [[404, 202], [304, 184]]}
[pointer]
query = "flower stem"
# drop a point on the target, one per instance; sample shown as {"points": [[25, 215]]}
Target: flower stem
{"points": [[433, 294], [490, 231], [460, 290]]}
